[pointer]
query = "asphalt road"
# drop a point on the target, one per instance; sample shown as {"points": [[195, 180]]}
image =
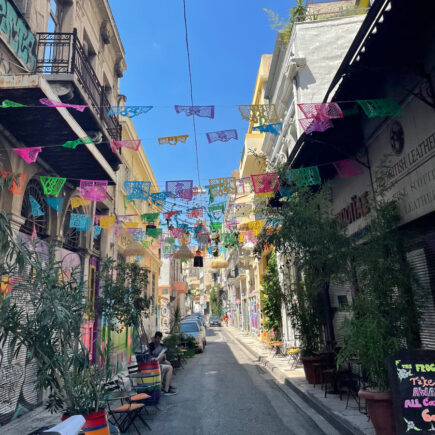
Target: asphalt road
{"points": [[224, 391]]}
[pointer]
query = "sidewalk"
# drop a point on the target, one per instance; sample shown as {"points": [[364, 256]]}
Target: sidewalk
{"points": [[347, 421]]}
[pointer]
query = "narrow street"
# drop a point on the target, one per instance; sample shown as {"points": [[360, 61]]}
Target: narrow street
{"points": [[224, 391]]}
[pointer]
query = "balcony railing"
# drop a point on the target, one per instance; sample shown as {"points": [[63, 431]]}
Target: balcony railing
{"points": [[62, 53]]}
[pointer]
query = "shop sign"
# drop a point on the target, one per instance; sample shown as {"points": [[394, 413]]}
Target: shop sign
{"points": [[356, 209], [412, 383]]}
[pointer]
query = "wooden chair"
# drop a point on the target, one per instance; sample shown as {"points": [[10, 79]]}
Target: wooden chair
{"points": [[124, 415]]}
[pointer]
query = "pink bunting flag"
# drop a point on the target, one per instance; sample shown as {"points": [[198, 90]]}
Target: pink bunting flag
{"points": [[34, 235], [53, 103], [321, 111], [265, 183], [348, 168], [93, 190], [130, 144], [29, 155], [310, 124]]}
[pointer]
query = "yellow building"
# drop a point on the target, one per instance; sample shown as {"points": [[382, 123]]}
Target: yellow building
{"points": [[135, 167], [243, 282]]}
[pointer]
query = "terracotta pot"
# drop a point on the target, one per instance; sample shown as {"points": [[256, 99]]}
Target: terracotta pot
{"points": [[380, 409], [96, 423], [310, 374]]}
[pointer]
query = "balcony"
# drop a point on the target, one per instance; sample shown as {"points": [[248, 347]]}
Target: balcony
{"points": [[62, 58]]}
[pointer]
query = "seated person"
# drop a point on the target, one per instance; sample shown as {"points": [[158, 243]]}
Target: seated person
{"points": [[166, 368]]}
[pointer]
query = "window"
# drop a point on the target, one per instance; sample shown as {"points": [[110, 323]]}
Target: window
{"points": [[52, 19]]}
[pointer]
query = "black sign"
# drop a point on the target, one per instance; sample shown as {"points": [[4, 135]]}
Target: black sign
{"points": [[412, 383]]}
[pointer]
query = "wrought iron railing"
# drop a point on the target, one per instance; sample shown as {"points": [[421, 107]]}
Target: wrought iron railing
{"points": [[62, 53]]}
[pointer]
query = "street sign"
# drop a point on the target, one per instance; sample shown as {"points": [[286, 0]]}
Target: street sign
{"points": [[412, 383]]}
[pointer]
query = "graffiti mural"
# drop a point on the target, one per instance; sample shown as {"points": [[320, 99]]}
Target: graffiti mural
{"points": [[16, 32]]}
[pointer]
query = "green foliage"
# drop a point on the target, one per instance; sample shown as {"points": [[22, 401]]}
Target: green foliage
{"points": [[44, 314], [123, 297], [296, 13], [216, 301], [273, 297], [383, 316]]}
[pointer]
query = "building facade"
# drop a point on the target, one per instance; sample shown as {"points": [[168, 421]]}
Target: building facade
{"points": [[68, 51]]}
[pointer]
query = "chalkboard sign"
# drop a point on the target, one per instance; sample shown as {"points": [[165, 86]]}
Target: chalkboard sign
{"points": [[412, 383]]}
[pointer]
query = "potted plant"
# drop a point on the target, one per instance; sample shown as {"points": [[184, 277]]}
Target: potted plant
{"points": [[383, 318], [308, 237], [44, 314]]}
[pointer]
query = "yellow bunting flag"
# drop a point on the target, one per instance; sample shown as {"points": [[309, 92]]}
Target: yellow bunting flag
{"points": [[106, 222], [77, 202], [131, 225]]}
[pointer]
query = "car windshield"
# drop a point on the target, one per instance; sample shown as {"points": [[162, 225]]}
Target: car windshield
{"points": [[189, 327]]}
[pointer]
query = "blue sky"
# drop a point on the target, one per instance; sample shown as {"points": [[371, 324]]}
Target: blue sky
{"points": [[227, 39]]}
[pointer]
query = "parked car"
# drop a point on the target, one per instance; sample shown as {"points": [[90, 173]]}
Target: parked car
{"points": [[194, 329], [200, 319], [200, 323], [215, 321]]}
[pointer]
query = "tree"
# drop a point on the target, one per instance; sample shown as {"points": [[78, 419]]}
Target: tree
{"points": [[216, 301], [272, 297]]}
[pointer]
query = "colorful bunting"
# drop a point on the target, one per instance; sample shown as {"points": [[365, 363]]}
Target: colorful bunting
{"points": [[194, 213], [93, 190], [137, 189], [348, 168], [223, 136], [138, 234], [81, 222], [304, 176], [129, 111], [243, 185], [107, 222], [321, 111], [97, 231], [149, 217], [216, 211], [130, 144], [168, 250], [286, 192], [385, 107], [78, 202], [203, 111], [18, 181], [53, 103], [72, 144], [172, 140], [275, 128], [215, 226], [131, 225], [242, 209], [29, 155], [177, 232], [6, 104], [222, 186], [52, 185], [310, 125], [169, 214], [55, 203], [154, 232], [36, 208], [265, 183], [180, 189], [259, 113], [158, 198], [170, 240]]}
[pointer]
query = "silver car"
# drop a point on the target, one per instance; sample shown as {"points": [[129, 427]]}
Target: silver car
{"points": [[194, 329]]}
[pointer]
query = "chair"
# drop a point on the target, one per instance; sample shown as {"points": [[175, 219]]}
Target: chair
{"points": [[293, 356], [123, 416]]}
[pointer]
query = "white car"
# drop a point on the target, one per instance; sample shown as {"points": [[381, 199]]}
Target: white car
{"points": [[194, 329]]}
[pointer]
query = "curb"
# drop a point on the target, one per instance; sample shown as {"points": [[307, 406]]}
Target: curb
{"points": [[340, 424]]}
